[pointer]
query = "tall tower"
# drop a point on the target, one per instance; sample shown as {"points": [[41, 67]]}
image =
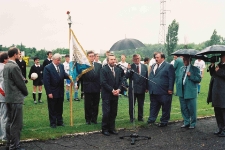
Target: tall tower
{"points": [[162, 32]]}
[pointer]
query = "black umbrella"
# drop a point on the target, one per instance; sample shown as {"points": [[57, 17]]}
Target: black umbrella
{"points": [[185, 52], [126, 44], [214, 49]]}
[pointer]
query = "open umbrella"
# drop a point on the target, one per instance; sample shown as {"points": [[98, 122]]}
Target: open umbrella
{"points": [[214, 49], [126, 44], [185, 52]]}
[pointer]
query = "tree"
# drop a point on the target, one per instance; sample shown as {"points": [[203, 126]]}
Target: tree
{"points": [[171, 39], [215, 39]]}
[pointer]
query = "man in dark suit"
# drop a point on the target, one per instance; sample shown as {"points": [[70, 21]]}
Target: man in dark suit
{"points": [[138, 76], [91, 88], [161, 82], [111, 80], [15, 91], [48, 60], [53, 77], [216, 94]]}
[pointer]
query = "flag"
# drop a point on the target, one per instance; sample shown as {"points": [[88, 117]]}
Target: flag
{"points": [[79, 63]]}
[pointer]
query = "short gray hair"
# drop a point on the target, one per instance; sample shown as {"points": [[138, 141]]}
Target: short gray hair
{"points": [[56, 56]]}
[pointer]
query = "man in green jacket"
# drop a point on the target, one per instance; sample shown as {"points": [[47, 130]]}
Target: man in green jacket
{"points": [[187, 88]]}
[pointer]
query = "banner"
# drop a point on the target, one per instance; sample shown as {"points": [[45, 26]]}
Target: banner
{"points": [[79, 63]]}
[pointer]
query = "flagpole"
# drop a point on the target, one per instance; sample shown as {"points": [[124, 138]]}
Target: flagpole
{"points": [[71, 83]]}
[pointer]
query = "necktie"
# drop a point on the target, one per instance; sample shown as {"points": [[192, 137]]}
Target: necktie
{"points": [[184, 73], [58, 70], [113, 71], [138, 71]]}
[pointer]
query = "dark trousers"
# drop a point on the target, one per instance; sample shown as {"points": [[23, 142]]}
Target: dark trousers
{"points": [[55, 110], [220, 117], [140, 100], [156, 102], [14, 124], [91, 104], [109, 109]]}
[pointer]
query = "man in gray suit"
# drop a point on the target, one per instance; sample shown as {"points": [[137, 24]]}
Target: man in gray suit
{"points": [[161, 82], [91, 88], [14, 85], [138, 74]]}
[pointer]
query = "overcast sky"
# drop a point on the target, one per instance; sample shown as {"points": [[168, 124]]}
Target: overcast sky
{"points": [[98, 24]]}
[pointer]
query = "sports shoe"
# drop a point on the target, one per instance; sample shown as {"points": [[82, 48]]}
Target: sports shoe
{"points": [[40, 101], [35, 102]]}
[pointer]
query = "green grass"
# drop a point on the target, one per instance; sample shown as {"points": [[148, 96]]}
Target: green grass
{"points": [[36, 122]]}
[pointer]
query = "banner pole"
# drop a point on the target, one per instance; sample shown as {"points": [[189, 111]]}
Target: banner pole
{"points": [[71, 88]]}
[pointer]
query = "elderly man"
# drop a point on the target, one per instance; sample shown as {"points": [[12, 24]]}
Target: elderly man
{"points": [[53, 77], [140, 85], [161, 82], [187, 84], [216, 95]]}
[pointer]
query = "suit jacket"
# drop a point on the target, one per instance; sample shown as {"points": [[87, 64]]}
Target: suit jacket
{"points": [[140, 84], [22, 66], [14, 83], [217, 87], [190, 87], [109, 82], [91, 80], [177, 65], [163, 79], [54, 82], [46, 62]]}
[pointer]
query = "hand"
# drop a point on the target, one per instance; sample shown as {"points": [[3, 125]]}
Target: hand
{"points": [[50, 95], [170, 92], [189, 74], [129, 66], [217, 68]]}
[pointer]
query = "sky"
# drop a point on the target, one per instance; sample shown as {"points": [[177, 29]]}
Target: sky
{"points": [[98, 24]]}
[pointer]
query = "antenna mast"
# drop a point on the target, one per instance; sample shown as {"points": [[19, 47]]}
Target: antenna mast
{"points": [[162, 33]]}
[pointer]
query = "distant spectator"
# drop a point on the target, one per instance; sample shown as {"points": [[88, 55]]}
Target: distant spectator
{"points": [[48, 60], [201, 65], [97, 58], [105, 60]]}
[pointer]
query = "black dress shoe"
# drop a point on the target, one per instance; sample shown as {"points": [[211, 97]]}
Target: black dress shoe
{"points": [[185, 126], [105, 133], [162, 124], [53, 126], [113, 132], [142, 120], [62, 125], [94, 122], [150, 122], [218, 132], [222, 134], [88, 123]]}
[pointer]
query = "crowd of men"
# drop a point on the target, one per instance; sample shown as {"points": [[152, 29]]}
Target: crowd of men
{"points": [[108, 80]]}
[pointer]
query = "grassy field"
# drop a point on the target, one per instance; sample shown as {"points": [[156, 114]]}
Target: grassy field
{"points": [[36, 123]]}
